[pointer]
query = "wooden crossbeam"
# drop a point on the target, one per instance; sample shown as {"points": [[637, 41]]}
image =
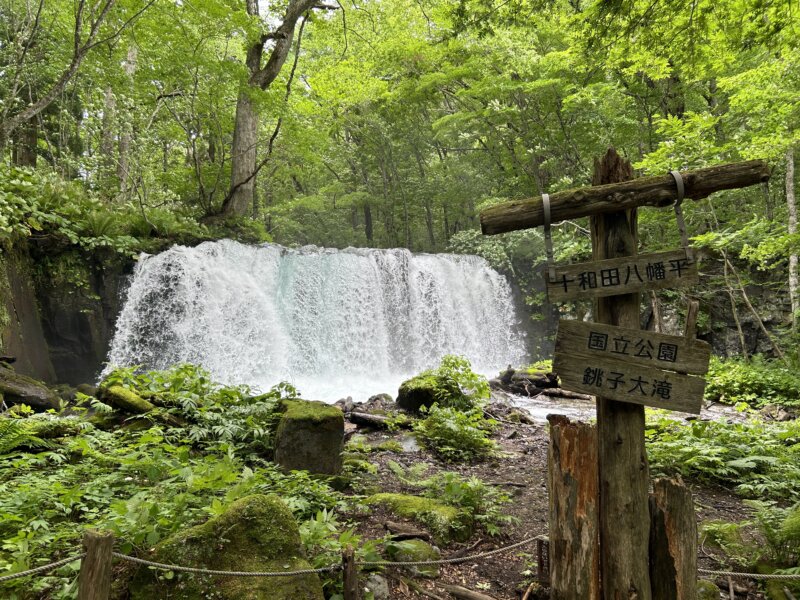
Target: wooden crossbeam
{"points": [[615, 197]]}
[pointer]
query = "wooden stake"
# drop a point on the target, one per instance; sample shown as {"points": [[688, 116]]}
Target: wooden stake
{"points": [[95, 574], [352, 591], [623, 470], [574, 529], [673, 541]]}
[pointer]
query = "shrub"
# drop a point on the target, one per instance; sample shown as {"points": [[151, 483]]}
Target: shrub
{"points": [[757, 383], [456, 435]]}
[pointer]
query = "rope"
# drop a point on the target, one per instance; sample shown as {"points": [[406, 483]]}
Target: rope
{"points": [[165, 567], [766, 576], [43, 568], [447, 561]]}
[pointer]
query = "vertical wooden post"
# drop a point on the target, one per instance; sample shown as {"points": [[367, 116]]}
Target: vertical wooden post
{"points": [[673, 542], [94, 580], [574, 528], [352, 591], [622, 459]]}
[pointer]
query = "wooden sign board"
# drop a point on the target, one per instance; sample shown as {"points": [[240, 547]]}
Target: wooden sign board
{"points": [[629, 365], [664, 270]]}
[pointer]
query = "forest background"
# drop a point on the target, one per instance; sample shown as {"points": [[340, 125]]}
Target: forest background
{"points": [[131, 124]]}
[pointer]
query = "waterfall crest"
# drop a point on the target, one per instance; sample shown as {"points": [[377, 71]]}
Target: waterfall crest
{"points": [[335, 323]]}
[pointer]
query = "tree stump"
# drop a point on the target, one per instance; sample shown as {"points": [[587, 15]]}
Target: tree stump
{"points": [[574, 528]]}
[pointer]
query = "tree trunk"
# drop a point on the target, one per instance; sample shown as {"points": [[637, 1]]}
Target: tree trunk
{"points": [[624, 474], [243, 156], [26, 138], [368, 222], [673, 541], [792, 209]]}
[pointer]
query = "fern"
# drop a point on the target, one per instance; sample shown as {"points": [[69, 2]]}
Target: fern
{"points": [[14, 435]]}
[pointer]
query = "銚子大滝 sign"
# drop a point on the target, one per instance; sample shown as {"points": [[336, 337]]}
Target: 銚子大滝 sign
{"points": [[630, 365]]}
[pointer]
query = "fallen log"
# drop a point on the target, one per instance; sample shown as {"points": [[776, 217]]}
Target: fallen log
{"points": [[370, 420], [401, 531], [464, 594], [616, 197]]}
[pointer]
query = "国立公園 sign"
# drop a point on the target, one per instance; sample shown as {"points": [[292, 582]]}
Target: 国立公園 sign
{"points": [[631, 365], [664, 270]]}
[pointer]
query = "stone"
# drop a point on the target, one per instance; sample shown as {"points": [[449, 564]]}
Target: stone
{"points": [[446, 523], [125, 399], [309, 437], [379, 587], [379, 403], [255, 533], [707, 590], [21, 389], [86, 389], [412, 551], [419, 391], [345, 404]]}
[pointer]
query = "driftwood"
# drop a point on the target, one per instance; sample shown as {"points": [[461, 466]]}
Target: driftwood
{"points": [[464, 594], [559, 393], [621, 196], [402, 531], [524, 384], [370, 420]]}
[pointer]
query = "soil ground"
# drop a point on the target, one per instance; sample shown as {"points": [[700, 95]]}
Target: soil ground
{"points": [[521, 469]]}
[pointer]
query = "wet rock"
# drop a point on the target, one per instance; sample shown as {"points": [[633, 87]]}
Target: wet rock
{"points": [[379, 587], [256, 533], [86, 389], [310, 437], [345, 404], [20, 389], [419, 391], [379, 403]]}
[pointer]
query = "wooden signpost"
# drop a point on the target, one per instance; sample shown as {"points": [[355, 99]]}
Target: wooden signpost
{"points": [[625, 368], [630, 365]]}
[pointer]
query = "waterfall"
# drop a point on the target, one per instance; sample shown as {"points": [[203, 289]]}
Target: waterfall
{"points": [[334, 323]]}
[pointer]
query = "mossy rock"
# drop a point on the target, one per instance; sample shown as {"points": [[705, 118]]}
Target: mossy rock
{"points": [[309, 437], [413, 551], [446, 523], [21, 389], [125, 400], [256, 533], [389, 446], [55, 428], [419, 391], [707, 590]]}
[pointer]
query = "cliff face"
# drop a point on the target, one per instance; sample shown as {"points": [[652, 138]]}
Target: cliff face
{"points": [[57, 310]]}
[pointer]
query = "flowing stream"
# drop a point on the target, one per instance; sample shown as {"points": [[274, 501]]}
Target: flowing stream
{"points": [[335, 323]]}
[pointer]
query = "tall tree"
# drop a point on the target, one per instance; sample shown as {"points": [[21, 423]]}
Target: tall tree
{"points": [[244, 167]]}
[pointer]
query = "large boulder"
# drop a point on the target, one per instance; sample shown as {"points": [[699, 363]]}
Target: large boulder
{"points": [[256, 533], [310, 437], [20, 389], [419, 391]]}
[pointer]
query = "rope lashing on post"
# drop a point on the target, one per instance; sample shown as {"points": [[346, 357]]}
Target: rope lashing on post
{"points": [[43, 568], [166, 567], [548, 239], [678, 210]]}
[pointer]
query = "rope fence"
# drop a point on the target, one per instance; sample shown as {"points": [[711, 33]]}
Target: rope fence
{"points": [[95, 544]]}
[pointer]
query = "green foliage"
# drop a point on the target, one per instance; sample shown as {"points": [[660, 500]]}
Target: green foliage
{"points": [[456, 435], [483, 502], [756, 459], [756, 382], [215, 414], [15, 433], [456, 385]]}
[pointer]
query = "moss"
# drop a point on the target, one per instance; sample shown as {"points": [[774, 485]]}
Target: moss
{"points": [[357, 464], [389, 446], [419, 391], [256, 533], [55, 428], [318, 413], [125, 399], [447, 523], [412, 551], [707, 590]]}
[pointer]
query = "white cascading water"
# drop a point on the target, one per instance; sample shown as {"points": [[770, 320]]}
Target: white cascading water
{"points": [[335, 323]]}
